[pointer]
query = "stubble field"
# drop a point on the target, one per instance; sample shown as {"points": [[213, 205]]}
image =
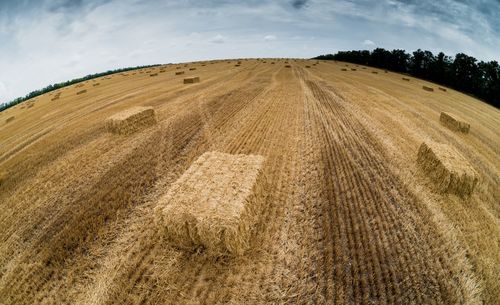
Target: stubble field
{"points": [[348, 216]]}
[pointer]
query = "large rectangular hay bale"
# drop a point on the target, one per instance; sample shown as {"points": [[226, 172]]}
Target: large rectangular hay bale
{"points": [[405, 79], [192, 80], [81, 92], [131, 120], [448, 169], [179, 72], [427, 88], [215, 204], [454, 123]]}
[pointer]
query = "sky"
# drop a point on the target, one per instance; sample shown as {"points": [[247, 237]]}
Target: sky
{"points": [[47, 41]]}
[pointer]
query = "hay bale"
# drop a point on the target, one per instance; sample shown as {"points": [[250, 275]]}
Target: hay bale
{"points": [[288, 66], [442, 89], [374, 72], [131, 120], [31, 105], [192, 80], [352, 69], [272, 63], [237, 65], [81, 92], [447, 168], [308, 66], [385, 71], [9, 119], [454, 122], [96, 84], [405, 79], [177, 68], [427, 88], [215, 204], [154, 74], [179, 72], [192, 69], [343, 69]]}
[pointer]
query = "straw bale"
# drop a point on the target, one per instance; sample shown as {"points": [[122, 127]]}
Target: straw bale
{"points": [[454, 122], [96, 84], [9, 119], [179, 72], [427, 88], [442, 89], [352, 69], [308, 66], [405, 79], [447, 168], [131, 120], [192, 69], [81, 92], [192, 80], [288, 66], [374, 72], [215, 204], [154, 74], [343, 69]]}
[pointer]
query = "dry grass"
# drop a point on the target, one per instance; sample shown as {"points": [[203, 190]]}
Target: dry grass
{"points": [[131, 120], [349, 216], [215, 204], [451, 172], [454, 123]]}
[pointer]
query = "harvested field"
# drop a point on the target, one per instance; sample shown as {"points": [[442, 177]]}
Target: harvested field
{"points": [[351, 212], [215, 204], [131, 120], [454, 123], [447, 168]]}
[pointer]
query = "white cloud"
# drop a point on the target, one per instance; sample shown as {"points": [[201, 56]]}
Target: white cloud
{"points": [[269, 37], [218, 39], [368, 42]]}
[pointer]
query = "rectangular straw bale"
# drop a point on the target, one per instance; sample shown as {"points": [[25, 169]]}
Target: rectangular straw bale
{"points": [[454, 122], [154, 74], [288, 66], [9, 119], [131, 120], [405, 79], [447, 168], [192, 80], [442, 89], [215, 204], [352, 69], [192, 69], [96, 84], [81, 92], [179, 72], [344, 69], [374, 72], [427, 88], [308, 66]]}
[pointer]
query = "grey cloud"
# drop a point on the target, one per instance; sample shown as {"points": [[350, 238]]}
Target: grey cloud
{"points": [[298, 4]]}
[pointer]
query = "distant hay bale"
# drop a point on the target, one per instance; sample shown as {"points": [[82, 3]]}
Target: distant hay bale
{"points": [[79, 85], [179, 72], [447, 168], [272, 63], [352, 69], [81, 92], [192, 80], [364, 68], [237, 65], [154, 74], [177, 68], [308, 66], [96, 84], [374, 72], [343, 69], [442, 89], [405, 79], [288, 66], [131, 120], [192, 69], [9, 119], [30, 105], [215, 204], [428, 88], [385, 71], [454, 122]]}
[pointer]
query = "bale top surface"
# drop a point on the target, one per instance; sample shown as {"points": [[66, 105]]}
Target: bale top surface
{"points": [[216, 185], [450, 158], [129, 112]]}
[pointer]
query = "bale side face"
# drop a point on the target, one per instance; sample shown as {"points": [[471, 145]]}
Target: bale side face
{"points": [[215, 204], [453, 123], [131, 120], [179, 72], [447, 168], [427, 88]]}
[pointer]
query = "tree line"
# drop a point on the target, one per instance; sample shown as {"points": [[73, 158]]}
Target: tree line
{"points": [[463, 72], [66, 83]]}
